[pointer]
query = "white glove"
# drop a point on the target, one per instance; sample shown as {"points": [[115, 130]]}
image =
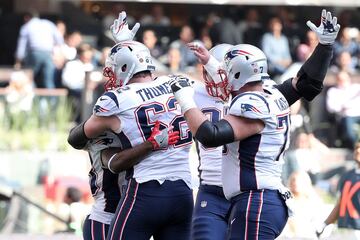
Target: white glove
{"points": [[183, 92], [328, 29], [120, 29]]}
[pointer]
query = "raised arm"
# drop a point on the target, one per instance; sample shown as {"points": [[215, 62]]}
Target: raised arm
{"points": [[309, 80]]}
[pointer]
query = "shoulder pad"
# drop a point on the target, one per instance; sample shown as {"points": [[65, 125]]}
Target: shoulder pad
{"points": [[250, 105], [107, 104]]}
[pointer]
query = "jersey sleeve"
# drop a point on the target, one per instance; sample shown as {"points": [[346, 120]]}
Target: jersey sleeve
{"points": [[106, 105], [104, 141], [250, 105]]}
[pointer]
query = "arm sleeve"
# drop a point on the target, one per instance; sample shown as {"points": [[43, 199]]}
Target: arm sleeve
{"points": [[312, 74], [215, 134], [77, 137], [289, 92]]}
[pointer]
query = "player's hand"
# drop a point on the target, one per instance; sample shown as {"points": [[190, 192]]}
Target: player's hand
{"points": [[120, 29], [328, 29], [183, 92], [162, 138], [200, 52], [178, 82]]}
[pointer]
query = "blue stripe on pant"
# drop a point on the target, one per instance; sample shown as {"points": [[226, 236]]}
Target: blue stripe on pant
{"points": [[257, 214], [209, 220], [94, 230], [153, 209]]}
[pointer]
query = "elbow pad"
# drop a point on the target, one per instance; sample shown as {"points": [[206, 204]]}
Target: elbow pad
{"points": [[312, 73], [215, 134], [289, 92], [77, 138]]}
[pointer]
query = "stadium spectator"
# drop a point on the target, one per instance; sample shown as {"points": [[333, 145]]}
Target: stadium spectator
{"points": [[343, 100], [61, 26], [276, 48], [347, 43], [187, 56], [156, 18], [250, 28], [303, 52], [347, 209], [174, 61], [149, 39], [36, 43], [205, 38], [307, 205], [64, 53], [73, 76], [343, 62], [305, 156], [223, 29], [19, 98]]}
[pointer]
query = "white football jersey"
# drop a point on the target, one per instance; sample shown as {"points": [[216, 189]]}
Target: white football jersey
{"points": [[210, 158], [105, 186], [139, 106], [256, 162]]}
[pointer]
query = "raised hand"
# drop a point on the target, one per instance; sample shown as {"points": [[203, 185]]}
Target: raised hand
{"points": [[120, 29], [178, 82], [162, 138], [200, 52], [183, 92], [328, 29]]}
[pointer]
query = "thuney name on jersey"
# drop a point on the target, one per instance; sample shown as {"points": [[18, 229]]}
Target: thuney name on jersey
{"points": [[151, 92]]}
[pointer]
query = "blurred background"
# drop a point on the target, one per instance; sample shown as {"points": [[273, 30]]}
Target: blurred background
{"points": [[47, 88]]}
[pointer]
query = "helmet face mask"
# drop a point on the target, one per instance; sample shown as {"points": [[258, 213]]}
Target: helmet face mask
{"points": [[217, 88], [244, 63], [216, 85], [124, 60]]}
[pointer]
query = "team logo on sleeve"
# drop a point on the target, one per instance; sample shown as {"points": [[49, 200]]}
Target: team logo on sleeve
{"points": [[105, 141], [245, 107], [98, 109]]}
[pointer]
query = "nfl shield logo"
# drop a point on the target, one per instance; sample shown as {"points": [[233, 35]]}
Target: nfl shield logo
{"points": [[203, 204]]}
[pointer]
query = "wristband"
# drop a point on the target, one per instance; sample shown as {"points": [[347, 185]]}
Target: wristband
{"points": [[212, 67], [109, 163], [185, 99]]}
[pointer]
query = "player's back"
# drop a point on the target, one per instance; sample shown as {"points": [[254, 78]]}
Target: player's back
{"points": [[139, 106], [105, 186], [257, 160]]}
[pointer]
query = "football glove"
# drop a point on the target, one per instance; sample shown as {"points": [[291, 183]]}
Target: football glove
{"points": [[328, 29], [120, 29], [161, 139], [183, 92]]}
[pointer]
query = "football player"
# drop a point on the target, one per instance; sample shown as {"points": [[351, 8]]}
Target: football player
{"points": [[209, 219], [256, 132], [108, 160], [107, 179]]}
